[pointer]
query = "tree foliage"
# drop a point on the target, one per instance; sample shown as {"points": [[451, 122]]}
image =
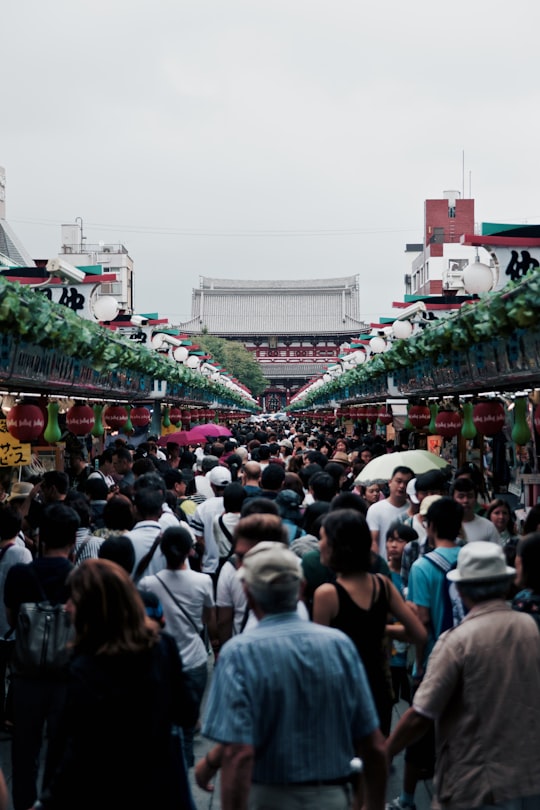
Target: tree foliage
{"points": [[236, 360]]}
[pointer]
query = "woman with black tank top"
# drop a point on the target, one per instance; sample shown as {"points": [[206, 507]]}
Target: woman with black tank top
{"points": [[359, 603]]}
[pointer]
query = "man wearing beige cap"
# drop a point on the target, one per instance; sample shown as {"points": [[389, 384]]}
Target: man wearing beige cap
{"points": [[290, 702], [482, 691]]}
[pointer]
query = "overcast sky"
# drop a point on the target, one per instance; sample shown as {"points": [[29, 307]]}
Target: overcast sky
{"points": [[257, 139]]}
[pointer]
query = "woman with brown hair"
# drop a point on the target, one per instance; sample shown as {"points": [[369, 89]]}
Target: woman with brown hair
{"points": [[125, 702]]}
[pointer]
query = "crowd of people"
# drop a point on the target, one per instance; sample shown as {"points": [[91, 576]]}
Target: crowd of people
{"points": [[323, 597]]}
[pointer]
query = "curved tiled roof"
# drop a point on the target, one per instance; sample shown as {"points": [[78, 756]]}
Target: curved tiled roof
{"points": [[278, 307]]}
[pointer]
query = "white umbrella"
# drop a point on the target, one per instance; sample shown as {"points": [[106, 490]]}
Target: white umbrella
{"points": [[382, 467]]}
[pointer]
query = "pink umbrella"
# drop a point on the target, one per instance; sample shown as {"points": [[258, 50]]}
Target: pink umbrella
{"points": [[210, 429], [180, 437]]}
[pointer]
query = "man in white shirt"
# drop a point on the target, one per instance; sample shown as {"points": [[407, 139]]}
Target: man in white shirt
{"points": [[202, 523], [234, 615], [382, 514], [474, 527]]}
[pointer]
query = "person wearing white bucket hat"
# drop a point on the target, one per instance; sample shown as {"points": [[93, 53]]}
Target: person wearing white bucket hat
{"points": [[482, 683]]}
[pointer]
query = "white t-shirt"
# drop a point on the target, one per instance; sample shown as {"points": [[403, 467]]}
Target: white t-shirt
{"points": [[230, 593], [380, 517], [195, 592], [480, 528]]}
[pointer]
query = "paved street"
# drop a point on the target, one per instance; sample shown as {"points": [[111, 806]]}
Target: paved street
{"points": [[209, 801]]}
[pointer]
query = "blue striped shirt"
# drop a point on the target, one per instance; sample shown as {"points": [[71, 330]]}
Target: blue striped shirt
{"points": [[298, 693]]}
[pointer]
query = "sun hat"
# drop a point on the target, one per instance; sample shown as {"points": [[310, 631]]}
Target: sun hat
{"points": [[219, 476], [340, 457], [479, 561], [270, 563], [20, 489], [426, 503]]}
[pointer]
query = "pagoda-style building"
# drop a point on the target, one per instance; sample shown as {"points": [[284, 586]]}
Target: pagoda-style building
{"points": [[294, 328]]}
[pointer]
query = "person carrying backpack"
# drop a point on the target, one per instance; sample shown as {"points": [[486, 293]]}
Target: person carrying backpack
{"points": [[39, 689], [429, 593]]}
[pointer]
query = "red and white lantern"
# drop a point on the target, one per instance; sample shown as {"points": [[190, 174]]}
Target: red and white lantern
{"points": [[140, 416], [489, 417], [115, 416], [25, 422], [419, 416], [448, 423], [80, 420]]}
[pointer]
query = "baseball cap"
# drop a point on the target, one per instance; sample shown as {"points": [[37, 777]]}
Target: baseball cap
{"points": [[411, 491], [479, 561], [270, 563], [219, 476], [286, 443], [426, 503]]}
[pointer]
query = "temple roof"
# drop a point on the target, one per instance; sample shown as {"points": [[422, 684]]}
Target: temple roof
{"points": [[292, 370], [276, 306]]}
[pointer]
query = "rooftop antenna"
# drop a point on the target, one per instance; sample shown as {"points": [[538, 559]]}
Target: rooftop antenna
{"points": [[80, 221]]}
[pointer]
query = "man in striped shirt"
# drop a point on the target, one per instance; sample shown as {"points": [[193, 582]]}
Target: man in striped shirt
{"points": [[290, 702]]}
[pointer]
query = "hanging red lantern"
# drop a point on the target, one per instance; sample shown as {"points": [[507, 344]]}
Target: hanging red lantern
{"points": [[419, 416], [25, 422], [385, 416], [448, 423], [115, 416], [140, 416], [186, 417], [371, 413], [489, 417], [80, 420], [211, 415], [175, 415]]}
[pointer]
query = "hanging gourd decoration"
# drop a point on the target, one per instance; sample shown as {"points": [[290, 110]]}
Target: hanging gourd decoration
{"points": [[99, 428], [448, 423], [140, 416], [128, 427], [166, 417], [115, 416], [52, 432], [537, 419], [434, 411], [175, 415], [521, 432], [25, 422], [385, 415], [419, 416], [80, 420], [489, 417], [408, 425], [468, 430]]}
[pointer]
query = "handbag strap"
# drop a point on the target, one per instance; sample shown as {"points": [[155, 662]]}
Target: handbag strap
{"points": [[145, 561], [4, 549], [182, 608]]}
